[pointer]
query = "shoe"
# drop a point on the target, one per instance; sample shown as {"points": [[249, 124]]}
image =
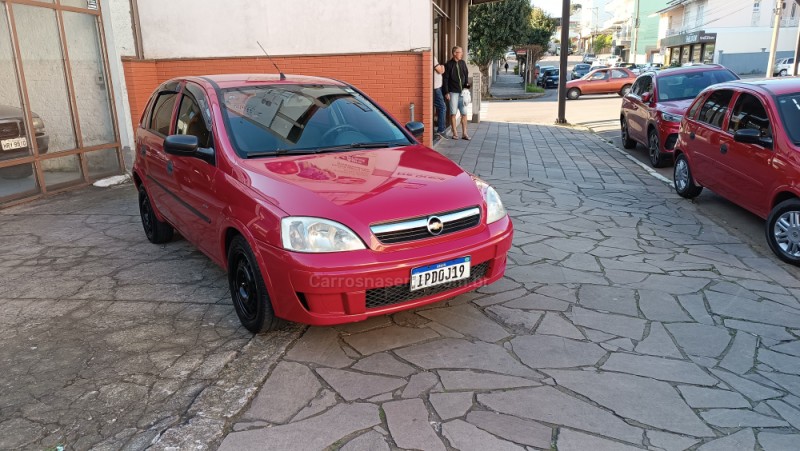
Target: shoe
{"points": [[454, 136], [441, 135], [466, 137]]}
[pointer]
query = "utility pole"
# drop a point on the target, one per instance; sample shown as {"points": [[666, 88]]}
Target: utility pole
{"points": [[776, 27], [635, 31], [562, 71]]}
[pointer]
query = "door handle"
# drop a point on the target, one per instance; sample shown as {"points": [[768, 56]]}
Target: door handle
{"points": [[723, 148], [691, 135]]}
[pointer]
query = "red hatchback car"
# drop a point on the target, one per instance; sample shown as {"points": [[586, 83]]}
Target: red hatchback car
{"points": [[742, 141], [320, 206], [652, 109]]}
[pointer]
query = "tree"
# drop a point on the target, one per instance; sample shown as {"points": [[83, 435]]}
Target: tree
{"points": [[493, 28], [601, 42], [537, 40]]}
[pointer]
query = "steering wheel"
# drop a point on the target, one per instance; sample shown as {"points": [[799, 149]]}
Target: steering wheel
{"points": [[337, 130]]}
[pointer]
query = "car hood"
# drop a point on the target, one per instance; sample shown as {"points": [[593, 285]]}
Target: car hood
{"points": [[676, 106], [7, 111], [360, 188]]}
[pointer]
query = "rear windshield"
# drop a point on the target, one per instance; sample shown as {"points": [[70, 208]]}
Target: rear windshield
{"points": [[688, 85], [789, 107], [304, 117], [582, 66]]}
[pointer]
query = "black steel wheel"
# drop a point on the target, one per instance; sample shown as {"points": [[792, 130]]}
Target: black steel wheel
{"points": [[683, 180], [248, 290], [783, 231], [627, 141], [157, 232]]}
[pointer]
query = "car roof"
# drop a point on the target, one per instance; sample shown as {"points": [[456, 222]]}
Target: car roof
{"points": [[689, 69], [233, 80], [773, 86]]}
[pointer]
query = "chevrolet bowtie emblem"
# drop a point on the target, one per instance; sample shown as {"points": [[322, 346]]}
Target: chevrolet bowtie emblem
{"points": [[435, 225]]}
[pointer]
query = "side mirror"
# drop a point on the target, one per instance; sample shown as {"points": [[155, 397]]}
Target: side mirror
{"points": [[750, 136], [416, 128], [646, 97], [181, 145]]}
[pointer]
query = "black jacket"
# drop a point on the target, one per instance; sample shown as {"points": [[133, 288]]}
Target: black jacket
{"points": [[450, 80]]}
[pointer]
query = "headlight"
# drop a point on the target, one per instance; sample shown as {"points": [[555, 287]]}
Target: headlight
{"points": [[671, 117], [495, 210], [302, 234], [38, 123]]}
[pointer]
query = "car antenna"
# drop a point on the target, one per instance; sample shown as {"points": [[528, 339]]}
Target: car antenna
{"points": [[283, 77]]}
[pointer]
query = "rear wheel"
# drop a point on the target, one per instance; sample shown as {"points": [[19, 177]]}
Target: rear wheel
{"points": [[683, 179], [783, 72], [625, 90], [157, 232], [248, 290], [573, 93], [627, 142], [657, 158], [783, 231]]}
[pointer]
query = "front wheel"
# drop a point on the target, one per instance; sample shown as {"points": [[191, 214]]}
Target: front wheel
{"points": [[248, 290], [684, 180], [625, 90], [783, 231], [783, 73], [657, 159], [573, 93], [627, 141]]}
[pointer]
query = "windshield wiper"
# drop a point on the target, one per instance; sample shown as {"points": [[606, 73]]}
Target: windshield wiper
{"points": [[313, 150]]}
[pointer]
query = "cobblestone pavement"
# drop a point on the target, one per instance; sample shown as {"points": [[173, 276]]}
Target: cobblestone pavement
{"points": [[626, 320], [106, 340]]}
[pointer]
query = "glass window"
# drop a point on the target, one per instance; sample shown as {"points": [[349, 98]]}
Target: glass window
{"points": [[696, 49], [708, 54], [713, 110], [190, 121], [695, 107], [300, 118], [17, 182], [789, 108], [619, 74], [643, 84], [62, 171], [749, 113], [101, 163], [688, 85], [601, 75], [162, 113]]}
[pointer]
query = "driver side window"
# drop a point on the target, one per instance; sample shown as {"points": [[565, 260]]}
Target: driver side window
{"points": [[749, 113], [642, 85], [190, 121], [599, 76]]}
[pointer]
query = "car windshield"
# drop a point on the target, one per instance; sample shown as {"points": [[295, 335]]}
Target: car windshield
{"points": [[688, 85], [789, 108], [582, 67], [304, 118]]}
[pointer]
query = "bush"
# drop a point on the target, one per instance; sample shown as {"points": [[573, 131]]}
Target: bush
{"points": [[516, 70], [533, 88]]}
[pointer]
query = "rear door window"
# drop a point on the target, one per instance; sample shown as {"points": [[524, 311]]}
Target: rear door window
{"points": [[616, 73], [749, 114], [715, 107]]}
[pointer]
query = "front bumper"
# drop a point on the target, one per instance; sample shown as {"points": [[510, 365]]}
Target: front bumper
{"points": [[328, 289], [668, 135]]}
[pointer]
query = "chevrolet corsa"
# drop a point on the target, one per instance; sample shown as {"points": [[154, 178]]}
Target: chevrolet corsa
{"points": [[322, 208]]}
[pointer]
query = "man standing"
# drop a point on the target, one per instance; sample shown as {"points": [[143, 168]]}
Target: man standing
{"points": [[456, 78], [438, 97]]}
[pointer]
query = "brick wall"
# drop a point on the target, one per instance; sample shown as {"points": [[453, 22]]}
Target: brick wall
{"points": [[394, 80]]}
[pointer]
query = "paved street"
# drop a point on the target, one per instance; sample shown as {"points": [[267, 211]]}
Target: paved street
{"points": [[628, 319]]}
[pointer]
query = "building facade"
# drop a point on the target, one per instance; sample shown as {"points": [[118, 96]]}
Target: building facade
{"points": [[75, 75]]}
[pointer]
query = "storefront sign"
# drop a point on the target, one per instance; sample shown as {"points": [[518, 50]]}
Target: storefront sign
{"points": [[689, 38]]}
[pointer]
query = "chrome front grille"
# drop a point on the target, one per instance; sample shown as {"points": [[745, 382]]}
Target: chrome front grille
{"points": [[9, 129], [418, 228]]}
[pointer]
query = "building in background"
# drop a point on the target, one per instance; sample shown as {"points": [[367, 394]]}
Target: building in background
{"points": [[75, 75], [734, 33]]}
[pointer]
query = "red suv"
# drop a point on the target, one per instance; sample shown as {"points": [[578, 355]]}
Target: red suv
{"points": [[322, 208], [742, 141], [652, 109]]}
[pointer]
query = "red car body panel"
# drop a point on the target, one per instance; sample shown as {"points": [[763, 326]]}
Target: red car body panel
{"points": [[749, 175], [607, 85], [206, 203]]}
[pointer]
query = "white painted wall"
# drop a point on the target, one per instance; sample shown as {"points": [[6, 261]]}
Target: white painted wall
{"points": [[752, 39], [208, 28], [119, 11]]}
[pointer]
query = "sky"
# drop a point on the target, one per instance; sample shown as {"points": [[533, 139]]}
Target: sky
{"points": [[552, 7]]}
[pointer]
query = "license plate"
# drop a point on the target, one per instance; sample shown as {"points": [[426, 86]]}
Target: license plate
{"points": [[445, 272], [14, 143]]}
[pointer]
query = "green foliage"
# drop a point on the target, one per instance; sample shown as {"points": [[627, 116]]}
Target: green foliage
{"points": [[516, 69], [495, 26], [601, 42], [542, 27], [534, 88]]}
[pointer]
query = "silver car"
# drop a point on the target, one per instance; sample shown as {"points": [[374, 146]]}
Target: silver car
{"points": [[783, 67]]}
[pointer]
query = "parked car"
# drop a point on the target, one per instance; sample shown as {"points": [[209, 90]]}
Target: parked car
{"points": [[580, 70], [741, 140], [511, 56], [588, 58], [322, 208], [613, 60], [14, 140], [550, 78], [783, 67], [635, 68], [541, 74], [651, 112], [651, 67], [599, 62], [601, 81]]}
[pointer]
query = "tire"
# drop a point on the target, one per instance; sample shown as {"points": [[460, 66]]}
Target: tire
{"points": [[657, 159], [625, 89], [248, 290], [17, 172], [627, 142], [783, 231], [783, 73], [573, 93], [157, 232], [683, 180]]}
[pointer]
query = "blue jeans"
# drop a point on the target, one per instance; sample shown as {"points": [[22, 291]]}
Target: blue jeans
{"points": [[441, 110]]}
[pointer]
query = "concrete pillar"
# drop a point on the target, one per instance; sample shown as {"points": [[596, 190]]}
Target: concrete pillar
{"points": [[463, 19]]}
